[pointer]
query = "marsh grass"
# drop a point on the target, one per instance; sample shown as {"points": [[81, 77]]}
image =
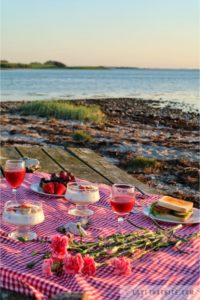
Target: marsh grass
{"points": [[141, 163], [82, 136], [63, 110]]}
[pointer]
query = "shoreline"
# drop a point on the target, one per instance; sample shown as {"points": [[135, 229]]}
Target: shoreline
{"points": [[134, 128], [157, 103]]}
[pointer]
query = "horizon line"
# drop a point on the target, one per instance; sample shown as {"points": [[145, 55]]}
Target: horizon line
{"points": [[104, 66]]}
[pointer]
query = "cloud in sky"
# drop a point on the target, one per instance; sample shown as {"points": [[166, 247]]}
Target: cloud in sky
{"points": [[140, 33]]}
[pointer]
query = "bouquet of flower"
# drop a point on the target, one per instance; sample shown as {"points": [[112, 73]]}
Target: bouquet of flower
{"points": [[70, 256]]}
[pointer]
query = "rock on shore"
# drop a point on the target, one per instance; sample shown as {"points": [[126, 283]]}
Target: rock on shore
{"points": [[134, 128]]}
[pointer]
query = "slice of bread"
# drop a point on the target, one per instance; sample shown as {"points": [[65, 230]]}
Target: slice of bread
{"points": [[174, 218], [175, 204]]}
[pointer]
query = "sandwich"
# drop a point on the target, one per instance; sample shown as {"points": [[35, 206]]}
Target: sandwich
{"points": [[172, 208]]}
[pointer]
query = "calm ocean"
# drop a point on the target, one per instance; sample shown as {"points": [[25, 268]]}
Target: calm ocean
{"points": [[168, 85]]}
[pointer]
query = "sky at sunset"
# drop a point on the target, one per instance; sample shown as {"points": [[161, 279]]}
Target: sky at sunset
{"points": [[141, 33]]}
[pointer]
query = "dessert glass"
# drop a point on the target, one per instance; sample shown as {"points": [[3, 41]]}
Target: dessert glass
{"points": [[23, 215], [82, 194]]}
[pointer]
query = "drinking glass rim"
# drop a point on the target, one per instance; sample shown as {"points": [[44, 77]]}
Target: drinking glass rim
{"points": [[14, 161], [75, 186], [24, 201], [124, 186]]}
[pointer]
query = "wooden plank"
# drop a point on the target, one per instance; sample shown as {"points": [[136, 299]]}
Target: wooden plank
{"points": [[46, 163], [74, 165], [108, 170], [8, 153]]}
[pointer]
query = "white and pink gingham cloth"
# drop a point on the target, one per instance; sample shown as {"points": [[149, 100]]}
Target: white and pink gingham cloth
{"points": [[164, 268]]}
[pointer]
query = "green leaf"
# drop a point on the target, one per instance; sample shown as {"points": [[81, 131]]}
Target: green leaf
{"points": [[55, 266], [47, 254], [31, 264], [180, 250], [21, 239]]}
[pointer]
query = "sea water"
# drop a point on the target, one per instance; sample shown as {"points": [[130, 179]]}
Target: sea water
{"points": [[180, 86]]}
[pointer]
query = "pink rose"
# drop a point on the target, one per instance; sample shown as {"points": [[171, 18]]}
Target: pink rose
{"points": [[46, 267], [121, 265], [89, 267], [73, 264], [59, 246]]}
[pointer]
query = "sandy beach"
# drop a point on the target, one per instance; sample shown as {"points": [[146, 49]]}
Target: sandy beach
{"points": [[166, 137]]}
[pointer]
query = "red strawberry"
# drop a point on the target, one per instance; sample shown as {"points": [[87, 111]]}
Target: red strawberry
{"points": [[48, 188], [82, 187], [60, 188], [25, 206]]}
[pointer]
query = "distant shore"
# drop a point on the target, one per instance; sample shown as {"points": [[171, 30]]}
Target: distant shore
{"points": [[51, 64], [158, 145]]}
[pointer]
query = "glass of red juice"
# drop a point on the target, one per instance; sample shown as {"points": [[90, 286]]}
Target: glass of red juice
{"points": [[122, 201], [14, 173]]}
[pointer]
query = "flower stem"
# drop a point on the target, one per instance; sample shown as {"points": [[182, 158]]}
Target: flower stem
{"points": [[134, 224]]}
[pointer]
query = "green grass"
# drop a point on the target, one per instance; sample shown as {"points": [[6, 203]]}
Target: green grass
{"points": [[141, 163], [63, 110], [82, 136]]}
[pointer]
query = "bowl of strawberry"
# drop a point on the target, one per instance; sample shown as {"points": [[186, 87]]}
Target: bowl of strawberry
{"points": [[57, 184], [54, 188]]}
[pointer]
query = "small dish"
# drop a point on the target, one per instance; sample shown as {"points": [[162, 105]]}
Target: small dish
{"points": [[35, 187], [194, 219]]}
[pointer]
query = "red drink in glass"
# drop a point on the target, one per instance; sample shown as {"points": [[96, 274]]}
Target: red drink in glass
{"points": [[122, 201], [122, 205], [14, 173], [15, 177]]}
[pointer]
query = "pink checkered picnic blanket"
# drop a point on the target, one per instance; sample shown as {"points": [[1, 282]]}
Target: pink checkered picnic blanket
{"points": [[163, 268]]}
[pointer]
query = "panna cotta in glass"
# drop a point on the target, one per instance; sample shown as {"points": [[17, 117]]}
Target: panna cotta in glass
{"points": [[23, 215], [82, 194]]}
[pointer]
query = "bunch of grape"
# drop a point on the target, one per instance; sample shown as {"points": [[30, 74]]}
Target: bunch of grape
{"points": [[63, 177]]}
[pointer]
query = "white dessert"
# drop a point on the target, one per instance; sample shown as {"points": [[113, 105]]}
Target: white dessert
{"points": [[23, 214], [82, 194]]}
